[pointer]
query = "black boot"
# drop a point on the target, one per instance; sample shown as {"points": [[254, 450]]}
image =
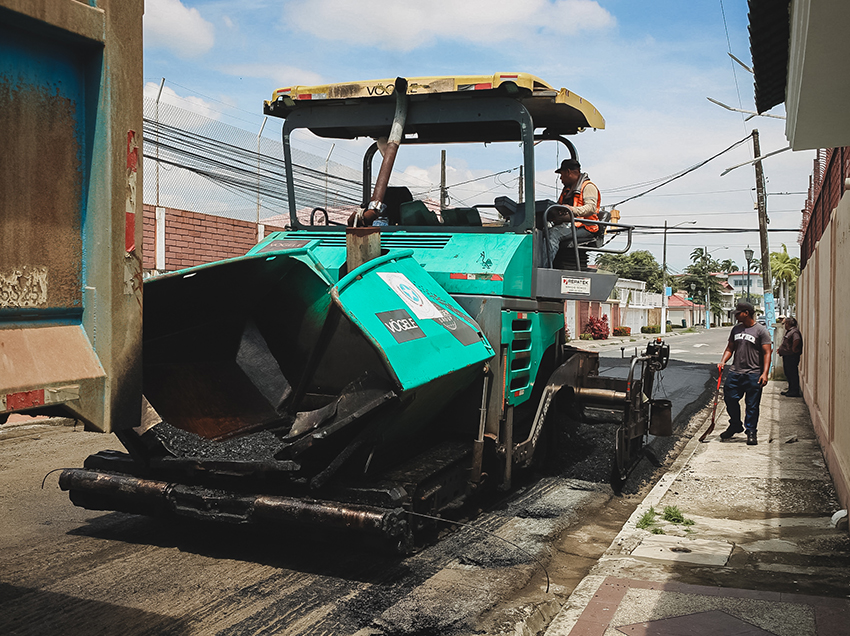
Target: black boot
{"points": [[751, 438], [729, 432]]}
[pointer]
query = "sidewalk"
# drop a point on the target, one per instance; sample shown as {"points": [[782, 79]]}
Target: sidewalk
{"points": [[634, 340], [761, 557]]}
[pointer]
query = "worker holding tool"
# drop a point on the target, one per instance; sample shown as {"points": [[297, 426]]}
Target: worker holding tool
{"points": [[749, 343]]}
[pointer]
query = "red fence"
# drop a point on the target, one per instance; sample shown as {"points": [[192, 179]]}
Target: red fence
{"points": [[826, 185]]}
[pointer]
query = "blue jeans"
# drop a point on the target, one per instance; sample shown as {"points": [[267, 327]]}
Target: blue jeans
{"points": [[737, 386], [564, 232]]}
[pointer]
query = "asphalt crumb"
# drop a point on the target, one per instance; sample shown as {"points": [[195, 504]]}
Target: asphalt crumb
{"points": [[258, 446]]}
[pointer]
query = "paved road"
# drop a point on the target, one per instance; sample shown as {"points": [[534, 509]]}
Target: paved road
{"points": [[691, 376], [72, 571]]}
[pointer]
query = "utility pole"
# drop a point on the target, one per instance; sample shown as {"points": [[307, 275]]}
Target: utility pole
{"points": [[327, 167], [664, 283], [707, 297], [443, 193], [259, 136], [664, 302], [158, 95], [769, 309]]}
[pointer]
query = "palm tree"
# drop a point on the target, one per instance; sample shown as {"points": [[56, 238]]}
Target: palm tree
{"points": [[728, 266], [786, 270], [698, 254]]}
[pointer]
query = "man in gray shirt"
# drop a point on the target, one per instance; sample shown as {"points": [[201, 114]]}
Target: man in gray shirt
{"points": [[749, 342]]}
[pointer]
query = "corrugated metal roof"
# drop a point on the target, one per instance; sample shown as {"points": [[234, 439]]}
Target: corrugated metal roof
{"points": [[770, 32]]}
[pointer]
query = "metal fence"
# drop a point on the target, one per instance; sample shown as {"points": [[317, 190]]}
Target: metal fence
{"points": [[192, 162], [826, 185]]}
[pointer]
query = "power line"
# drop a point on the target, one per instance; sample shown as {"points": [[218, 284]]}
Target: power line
{"points": [[685, 172], [659, 229]]}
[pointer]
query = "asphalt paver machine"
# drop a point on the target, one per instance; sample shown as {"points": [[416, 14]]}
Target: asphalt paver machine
{"points": [[368, 377]]}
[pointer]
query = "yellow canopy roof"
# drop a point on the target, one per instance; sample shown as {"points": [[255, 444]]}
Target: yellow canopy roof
{"points": [[547, 105]]}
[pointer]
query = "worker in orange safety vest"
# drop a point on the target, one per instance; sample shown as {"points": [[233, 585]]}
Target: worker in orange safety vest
{"points": [[582, 197]]}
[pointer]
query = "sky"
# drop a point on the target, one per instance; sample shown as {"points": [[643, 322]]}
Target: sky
{"points": [[648, 67]]}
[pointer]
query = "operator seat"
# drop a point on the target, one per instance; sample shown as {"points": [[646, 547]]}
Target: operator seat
{"points": [[565, 258], [394, 197]]}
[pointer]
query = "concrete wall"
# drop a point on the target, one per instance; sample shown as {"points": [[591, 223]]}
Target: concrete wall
{"points": [[823, 297]]}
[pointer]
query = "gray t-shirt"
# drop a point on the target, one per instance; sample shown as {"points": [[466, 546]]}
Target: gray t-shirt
{"points": [[747, 343]]}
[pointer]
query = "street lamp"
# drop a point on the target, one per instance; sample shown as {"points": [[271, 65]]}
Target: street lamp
{"points": [[664, 277], [707, 286], [748, 254]]}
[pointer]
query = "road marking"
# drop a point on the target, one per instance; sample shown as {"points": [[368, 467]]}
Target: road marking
{"points": [[678, 350], [700, 345]]}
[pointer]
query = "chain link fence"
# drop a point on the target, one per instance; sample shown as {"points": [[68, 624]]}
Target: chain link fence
{"points": [[192, 162]]}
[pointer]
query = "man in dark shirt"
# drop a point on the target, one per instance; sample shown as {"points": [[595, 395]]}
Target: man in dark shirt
{"points": [[749, 342], [790, 351]]}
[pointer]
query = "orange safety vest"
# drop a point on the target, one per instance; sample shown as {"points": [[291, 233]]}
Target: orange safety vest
{"points": [[578, 201]]}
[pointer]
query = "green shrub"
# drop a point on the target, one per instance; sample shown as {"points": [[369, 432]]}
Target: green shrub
{"points": [[651, 329], [586, 336], [622, 331]]}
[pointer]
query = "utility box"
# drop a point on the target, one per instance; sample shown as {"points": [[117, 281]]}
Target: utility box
{"points": [[70, 209]]}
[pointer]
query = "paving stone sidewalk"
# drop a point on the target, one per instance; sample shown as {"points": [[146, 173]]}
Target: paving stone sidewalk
{"points": [[750, 547]]}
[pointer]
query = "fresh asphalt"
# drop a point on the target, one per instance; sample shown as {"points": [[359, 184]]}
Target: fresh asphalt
{"points": [[691, 375], [69, 570]]}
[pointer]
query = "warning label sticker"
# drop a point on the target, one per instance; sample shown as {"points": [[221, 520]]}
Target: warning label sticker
{"points": [[575, 285], [421, 307]]}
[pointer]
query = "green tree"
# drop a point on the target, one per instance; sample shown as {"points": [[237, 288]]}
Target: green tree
{"points": [[637, 265], [728, 266], [785, 270], [699, 275]]}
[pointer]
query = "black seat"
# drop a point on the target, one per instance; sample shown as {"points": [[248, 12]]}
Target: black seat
{"points": [[415, 213], [461, 217], [394, 197]]}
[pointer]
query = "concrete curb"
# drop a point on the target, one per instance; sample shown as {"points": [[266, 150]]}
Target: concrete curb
{"points": [[10, 430], [634, 339], [584, 592]]}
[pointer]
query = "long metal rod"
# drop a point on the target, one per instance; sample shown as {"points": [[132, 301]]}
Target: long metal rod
{"points": [[478, 446], [509, 447]]}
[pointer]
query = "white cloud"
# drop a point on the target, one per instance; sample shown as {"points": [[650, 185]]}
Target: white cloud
{"points": [[191, 103], [280, 74], [404, 26], [171, 25]]}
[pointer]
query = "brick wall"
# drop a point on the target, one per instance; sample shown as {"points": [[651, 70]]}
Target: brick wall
{"points": [[192, 238], [148, 237]]}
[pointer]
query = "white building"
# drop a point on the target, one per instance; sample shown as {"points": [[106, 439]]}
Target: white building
{"points": [[738, 281], [638, 307]]}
